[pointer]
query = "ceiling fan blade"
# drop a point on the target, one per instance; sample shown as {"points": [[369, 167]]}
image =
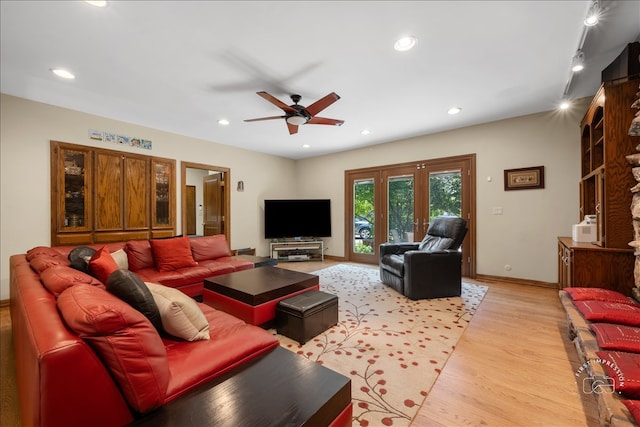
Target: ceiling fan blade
{"points": [[292, 128], [325, 121], [265, 118], [322, 103], [275, 101]]}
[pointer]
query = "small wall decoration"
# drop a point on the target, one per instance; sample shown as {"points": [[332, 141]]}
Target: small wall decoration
{"points": [[524, 178], [112, 138], [96, 135]]}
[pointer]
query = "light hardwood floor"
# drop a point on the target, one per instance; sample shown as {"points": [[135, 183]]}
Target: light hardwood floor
{"points": [[514, 365]]}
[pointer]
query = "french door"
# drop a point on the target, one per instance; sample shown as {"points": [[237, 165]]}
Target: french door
{"points": [[396, 203]]}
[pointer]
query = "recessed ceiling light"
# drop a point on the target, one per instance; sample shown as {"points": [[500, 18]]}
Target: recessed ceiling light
{"points": [[223, 122], [454, 110], [365, 132], [564, 105], [306, 146], [63, 73], [97, 3], [405, 43]]}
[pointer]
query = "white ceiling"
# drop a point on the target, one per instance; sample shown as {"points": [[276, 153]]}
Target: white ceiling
{"points": [[180, 66]]}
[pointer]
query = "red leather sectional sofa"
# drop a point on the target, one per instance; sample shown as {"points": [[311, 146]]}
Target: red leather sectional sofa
{"points": [[118, 367]]}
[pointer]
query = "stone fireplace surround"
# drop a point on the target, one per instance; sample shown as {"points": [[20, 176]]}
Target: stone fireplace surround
{"points": [[634, 161]]}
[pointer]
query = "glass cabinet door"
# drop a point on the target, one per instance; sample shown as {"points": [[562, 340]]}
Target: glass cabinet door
{"points": [[163, 193], [74, 197]]}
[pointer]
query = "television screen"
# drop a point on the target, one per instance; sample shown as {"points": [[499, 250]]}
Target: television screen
{"points": [[297, 218]]}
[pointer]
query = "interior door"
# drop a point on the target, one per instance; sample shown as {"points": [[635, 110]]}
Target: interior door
{"points": [[213, 218]]}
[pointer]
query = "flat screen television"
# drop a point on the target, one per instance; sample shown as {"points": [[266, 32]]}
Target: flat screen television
{"points": [[297, 218]]}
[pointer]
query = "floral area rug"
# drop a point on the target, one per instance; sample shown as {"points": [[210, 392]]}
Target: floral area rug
{"points": [[391, 347]]}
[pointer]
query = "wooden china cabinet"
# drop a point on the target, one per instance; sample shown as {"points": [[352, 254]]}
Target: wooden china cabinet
{"points": [[100, 196], [605, 185]]}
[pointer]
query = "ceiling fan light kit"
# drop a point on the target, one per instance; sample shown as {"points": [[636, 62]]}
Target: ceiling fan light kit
{"points": [[297, 115]]}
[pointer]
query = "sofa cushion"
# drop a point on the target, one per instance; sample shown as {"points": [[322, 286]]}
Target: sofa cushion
{"points": [[597, 294], [624, 368], [209, 247], [60, 277], [393, 263], [41, 250], [216, 268], [634, 408], [181, 316], [40, 263], [172, 254], [609, 312], [176, 278], [238, 264], [102, 265], [124, 339], [139, 255], [233, 342], [617, 337], [79, 258], [131, 289]]}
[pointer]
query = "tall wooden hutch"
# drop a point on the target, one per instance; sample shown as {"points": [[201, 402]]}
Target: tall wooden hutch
{"points": [[605, 185], [100, 196]]}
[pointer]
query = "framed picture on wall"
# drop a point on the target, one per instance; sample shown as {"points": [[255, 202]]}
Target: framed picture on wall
{"points": [[524, 178]]}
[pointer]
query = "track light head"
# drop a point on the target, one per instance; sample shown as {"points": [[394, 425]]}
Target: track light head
{"points": [[577, 64], [593, 15]]}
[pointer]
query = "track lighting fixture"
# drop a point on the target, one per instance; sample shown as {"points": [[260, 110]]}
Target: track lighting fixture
{"points": [[593, 15], [577, 64]]}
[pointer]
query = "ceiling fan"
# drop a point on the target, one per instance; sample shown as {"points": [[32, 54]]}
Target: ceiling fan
{"points": [[296, 115]]}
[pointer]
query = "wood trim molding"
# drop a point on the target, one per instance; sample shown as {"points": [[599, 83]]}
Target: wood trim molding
{"points": [[4, 303], [515, 281]]}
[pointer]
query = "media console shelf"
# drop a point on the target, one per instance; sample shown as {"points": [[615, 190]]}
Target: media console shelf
{"points": [[298, 250]]}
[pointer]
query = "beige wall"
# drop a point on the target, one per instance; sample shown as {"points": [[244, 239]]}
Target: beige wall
{"points": [[523, 237]]}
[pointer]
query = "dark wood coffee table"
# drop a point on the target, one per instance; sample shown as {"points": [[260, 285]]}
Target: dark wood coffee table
{"points": [[277, 389], [252, 295]]}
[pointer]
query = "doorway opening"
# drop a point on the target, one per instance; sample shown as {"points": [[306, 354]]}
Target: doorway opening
{"points": [[205, 200]]}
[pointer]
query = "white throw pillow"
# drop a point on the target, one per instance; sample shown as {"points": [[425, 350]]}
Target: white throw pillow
{"points": [[120, 257], [180, 314]]}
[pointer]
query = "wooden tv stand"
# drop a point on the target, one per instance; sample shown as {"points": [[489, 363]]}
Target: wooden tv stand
{"points": [[298, 250]]}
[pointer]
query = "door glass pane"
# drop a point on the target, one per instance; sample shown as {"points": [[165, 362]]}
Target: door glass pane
{"points": [[363, 216], [445, 194], [400, 209]]}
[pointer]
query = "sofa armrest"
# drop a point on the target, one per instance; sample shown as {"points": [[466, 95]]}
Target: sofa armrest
{"points": [[397, 248], [432, 273]]}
